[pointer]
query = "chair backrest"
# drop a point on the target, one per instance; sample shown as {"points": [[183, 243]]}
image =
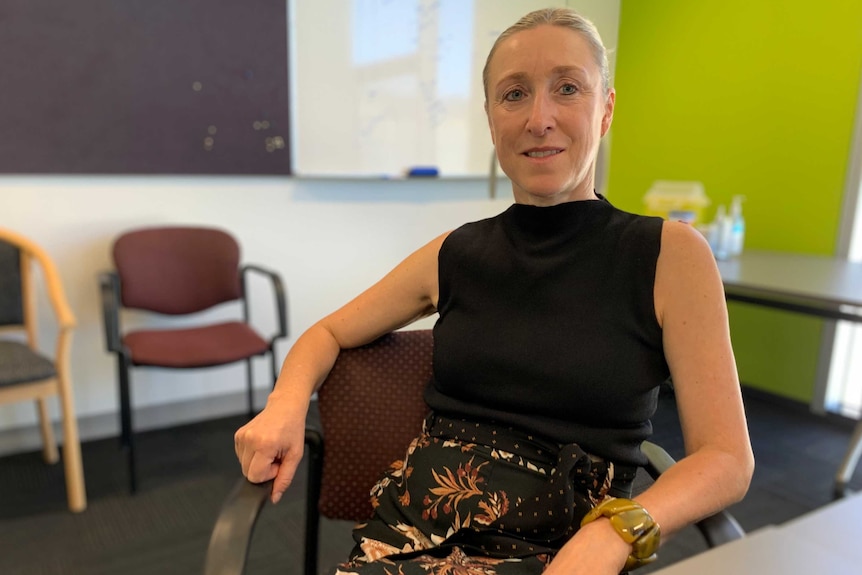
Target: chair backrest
{"points": [[11, 290], [177, 270], [19, 257], [371, 407]]}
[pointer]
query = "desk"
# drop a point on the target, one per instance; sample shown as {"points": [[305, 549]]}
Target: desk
{"points": [[817, 285], [836, 526], [823, 541], [764, 551], [825, 287]]}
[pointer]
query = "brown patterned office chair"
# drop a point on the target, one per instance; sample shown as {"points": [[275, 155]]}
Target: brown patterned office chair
{"points": [[25, 372], [181, 271], [378, 380]]}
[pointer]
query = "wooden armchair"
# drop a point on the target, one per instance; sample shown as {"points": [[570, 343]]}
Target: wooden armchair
{"points": [[27, 374]]}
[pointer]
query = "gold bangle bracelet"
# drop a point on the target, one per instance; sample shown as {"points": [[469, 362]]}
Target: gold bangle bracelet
{"points": [[634, 524]]}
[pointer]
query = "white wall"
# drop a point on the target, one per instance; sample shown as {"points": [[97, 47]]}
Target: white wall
{"points": [[329, 239]]}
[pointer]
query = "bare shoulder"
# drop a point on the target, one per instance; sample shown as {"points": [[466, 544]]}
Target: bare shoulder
{"points": [[438, 241], [425, 258], [686, 269], [419, 270], [681, 241]]}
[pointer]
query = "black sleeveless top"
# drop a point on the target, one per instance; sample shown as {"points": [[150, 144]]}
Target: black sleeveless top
{"points": [[547, 322]]}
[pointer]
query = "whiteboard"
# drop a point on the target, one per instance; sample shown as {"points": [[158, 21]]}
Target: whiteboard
{"points": [[382, 86]]}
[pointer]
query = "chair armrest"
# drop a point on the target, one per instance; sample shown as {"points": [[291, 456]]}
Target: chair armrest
{"points": [[230, 540], [56, 293], [717, 529], [658, 459], [720, 528], [314, 447], [278, 291], [109, 289], [65, 316], [231, 536]]}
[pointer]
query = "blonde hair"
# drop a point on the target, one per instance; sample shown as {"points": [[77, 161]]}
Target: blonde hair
{"points": [[566, 18]]}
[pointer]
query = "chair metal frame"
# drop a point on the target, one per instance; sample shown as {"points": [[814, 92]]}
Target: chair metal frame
{"points": [[232, 533], [59, 385], [110, 287]]}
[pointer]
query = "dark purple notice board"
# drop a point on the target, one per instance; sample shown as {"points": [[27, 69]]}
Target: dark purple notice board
{"points": [[144, 87]]}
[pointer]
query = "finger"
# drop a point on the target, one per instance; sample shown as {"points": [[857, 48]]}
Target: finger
{"points": [[245, 451], [237, 443], [286, 473], [262, 468], [240, 443], [244, 455], [283, 479]]}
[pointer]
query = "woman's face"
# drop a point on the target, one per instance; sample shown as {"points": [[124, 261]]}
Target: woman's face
{"points": [[547, 112]]}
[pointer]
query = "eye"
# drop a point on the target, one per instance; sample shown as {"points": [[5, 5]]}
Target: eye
{"points": [[568, 89], [514, 95]]}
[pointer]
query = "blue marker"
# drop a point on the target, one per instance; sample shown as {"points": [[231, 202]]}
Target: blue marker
{"points": [[423, 172]]}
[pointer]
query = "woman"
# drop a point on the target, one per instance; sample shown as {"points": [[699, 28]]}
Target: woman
{"points": [[558, 320]]}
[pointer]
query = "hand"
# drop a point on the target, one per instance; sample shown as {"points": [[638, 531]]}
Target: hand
{"points": [[596, 549], [270, 446]]}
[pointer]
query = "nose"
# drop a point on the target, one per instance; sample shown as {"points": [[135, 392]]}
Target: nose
{"points": [[541, 118]]}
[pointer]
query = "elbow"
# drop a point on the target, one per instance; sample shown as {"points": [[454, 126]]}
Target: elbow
{"points": [[734, 471], [744, 466], [749, 469]]}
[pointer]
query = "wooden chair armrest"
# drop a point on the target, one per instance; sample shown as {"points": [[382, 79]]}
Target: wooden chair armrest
{"points": [[56, 294]]}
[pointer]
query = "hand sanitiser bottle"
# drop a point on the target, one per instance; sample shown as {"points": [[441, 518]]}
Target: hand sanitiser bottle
{"points": [[719, 234], [737, 227]]}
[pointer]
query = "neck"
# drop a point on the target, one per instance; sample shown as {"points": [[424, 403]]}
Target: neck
{"points": [[581, 193]]}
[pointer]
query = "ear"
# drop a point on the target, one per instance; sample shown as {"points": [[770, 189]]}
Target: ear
{"points": [[608, 115]]}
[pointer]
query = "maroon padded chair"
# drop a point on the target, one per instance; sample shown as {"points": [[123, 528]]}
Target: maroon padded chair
{"points": [[370, 408], [178, 271]]}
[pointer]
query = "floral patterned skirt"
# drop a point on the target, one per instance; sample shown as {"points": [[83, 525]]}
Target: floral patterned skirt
{"points": [[476, 499]]}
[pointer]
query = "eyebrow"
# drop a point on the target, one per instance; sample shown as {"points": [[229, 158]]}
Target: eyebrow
{"points": [[559, 70]]}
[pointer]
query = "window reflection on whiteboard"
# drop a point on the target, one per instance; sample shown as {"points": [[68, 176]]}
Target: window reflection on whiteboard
{"points": [[380, 86], [383, 30], [413, 64]]}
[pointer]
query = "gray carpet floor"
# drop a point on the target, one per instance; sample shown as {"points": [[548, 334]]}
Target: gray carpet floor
{"points": [[185, 473]]}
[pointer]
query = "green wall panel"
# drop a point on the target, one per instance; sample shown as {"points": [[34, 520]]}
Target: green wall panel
{"points": [[750, 97], [775, 351]]}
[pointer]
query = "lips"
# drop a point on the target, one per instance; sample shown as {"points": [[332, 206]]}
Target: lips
{"points": [[543, 152]]}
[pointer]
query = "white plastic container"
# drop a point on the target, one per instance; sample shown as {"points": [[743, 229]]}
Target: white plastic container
{"points": [[676, 200]]}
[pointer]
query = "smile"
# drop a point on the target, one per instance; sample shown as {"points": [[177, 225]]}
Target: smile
{"points": [[543, 153]]}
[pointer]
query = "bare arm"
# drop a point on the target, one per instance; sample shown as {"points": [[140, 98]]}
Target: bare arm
{"points": [[271, 445], [718, 465], [691, 308]]}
